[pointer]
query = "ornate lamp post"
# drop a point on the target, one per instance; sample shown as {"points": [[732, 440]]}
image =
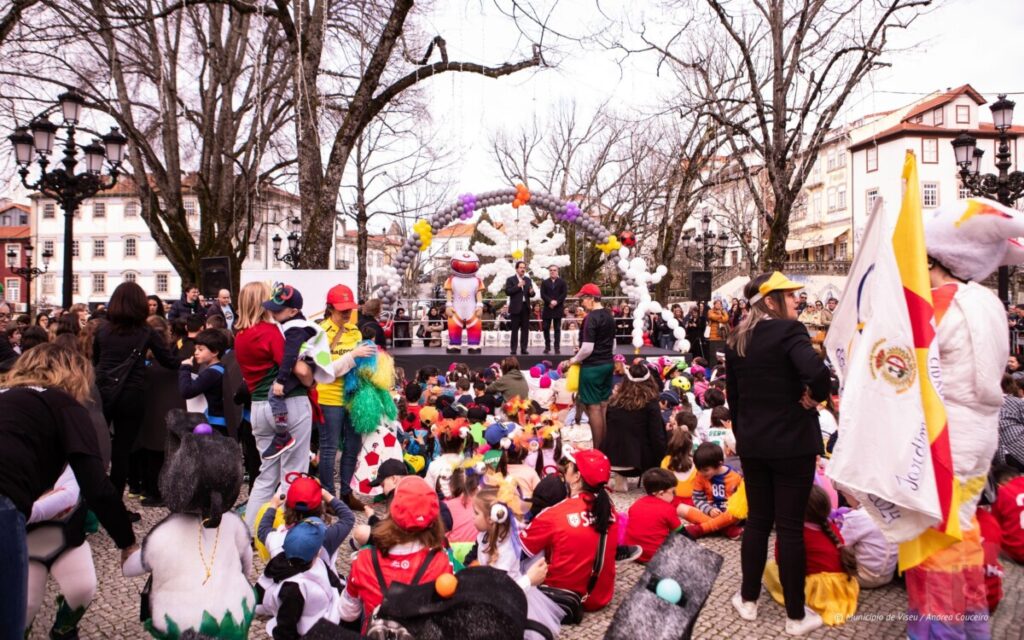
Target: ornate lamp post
{"points": [[291, 258], [704, 245], [28, 272], [1006, 187], [68, 188]]}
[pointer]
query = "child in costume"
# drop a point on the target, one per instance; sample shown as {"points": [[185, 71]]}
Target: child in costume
{"points": [[302, 340], [680, 462], [830, 588], [463, 486], [876, 556], [454, 438], [57, 547], [652, 518], [200, 555], [374, 416], [498, 546], [714, 485], [305, 499], [300, 587]]}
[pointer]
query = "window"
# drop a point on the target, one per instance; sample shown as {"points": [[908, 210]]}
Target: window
{"points": [[929, 150], [99, 210], [74, 283], [129, 276], [816, 204], [49, 284], [871, 158], [99, 248], [841, 158], [48, 246], [831, 159], [963, 193], [840, 198], [74, 248], [929, 195], [918, 119], [131, 209], [256, 252], [191, 210], [963, 114], [162, 283], [49, 211], [99, 283], [937, 117], [131, 248], [841, 255], [872, 195], [832, 199], [5, 221], [12, 289], [16, 248]]}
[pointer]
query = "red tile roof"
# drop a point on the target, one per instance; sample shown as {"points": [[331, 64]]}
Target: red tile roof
{"points": [[944, 98], [984, 130], [15, 233], [15, 205]]}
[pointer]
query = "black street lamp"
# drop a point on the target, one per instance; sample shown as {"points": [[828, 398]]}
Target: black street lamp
{"points": [[291, 258], [1006, 187], [704, 245], [70, 189], [28, 272]]}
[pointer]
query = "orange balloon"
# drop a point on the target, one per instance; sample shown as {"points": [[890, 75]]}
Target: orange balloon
{"points": [[445, 585], [516, 203]]}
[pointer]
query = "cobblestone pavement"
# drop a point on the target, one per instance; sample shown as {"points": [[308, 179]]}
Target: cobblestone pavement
{"points": [[114, 614]]}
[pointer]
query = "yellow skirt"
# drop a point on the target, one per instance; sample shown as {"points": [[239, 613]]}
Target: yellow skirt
{"points": [[833, 596]]}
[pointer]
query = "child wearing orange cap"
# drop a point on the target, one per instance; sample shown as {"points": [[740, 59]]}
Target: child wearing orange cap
{"points": [[408, 547]]}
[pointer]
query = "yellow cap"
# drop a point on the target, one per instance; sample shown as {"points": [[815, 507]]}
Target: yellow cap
{"points": [[777, 282]]}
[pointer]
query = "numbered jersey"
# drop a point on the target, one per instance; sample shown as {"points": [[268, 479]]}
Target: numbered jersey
{"points": [[1009, 510]]}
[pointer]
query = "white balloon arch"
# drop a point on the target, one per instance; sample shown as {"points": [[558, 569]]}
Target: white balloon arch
{"points": [[635, 274]]}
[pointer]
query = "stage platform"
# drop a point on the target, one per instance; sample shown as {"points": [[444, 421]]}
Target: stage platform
{"points": [[414, 358]]}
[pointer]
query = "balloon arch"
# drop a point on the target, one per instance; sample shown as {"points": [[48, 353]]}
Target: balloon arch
{"points": [[635, 274]]}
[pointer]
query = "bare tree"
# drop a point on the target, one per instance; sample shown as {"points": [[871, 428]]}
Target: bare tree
{"points": [[12, 15], [604, 163], [213, 134], [774, 74], [733, 209]]}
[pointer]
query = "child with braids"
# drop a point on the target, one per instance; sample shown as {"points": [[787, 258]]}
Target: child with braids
{"points": [[831, 588], [498, 546], [463, 486]]}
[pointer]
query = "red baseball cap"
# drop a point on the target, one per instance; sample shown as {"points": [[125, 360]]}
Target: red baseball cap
{"points": [[589, 289], [414, 505], [593, 466], [340, 297], [304, 494]]}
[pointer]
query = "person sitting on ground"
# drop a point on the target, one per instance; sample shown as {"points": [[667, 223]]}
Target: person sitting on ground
{"points": [[876, 556], [511, 384], [652, 518], [679, 461], [712, 489], [1008, 509]]}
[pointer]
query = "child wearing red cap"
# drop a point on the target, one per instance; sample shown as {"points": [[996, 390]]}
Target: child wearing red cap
{"points": [[408, 548], [305, 499], [570, 533]]}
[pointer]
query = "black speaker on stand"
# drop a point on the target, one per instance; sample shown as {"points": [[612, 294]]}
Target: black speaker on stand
{"points": [[216, 275], [700, 285]]}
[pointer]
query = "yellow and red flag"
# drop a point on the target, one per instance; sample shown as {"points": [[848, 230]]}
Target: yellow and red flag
{"points": [[912, 261]]}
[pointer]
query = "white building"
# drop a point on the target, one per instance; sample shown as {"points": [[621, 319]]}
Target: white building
{"points": [[113, 244], [925, 127]]}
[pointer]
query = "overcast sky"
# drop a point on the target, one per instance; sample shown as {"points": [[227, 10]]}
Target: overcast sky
{"points": [[957, 42]]}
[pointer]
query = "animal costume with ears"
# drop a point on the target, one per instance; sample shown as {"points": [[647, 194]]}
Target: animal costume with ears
{"points": [[464, 291], [970, 239], [374, 416], [199, 556]]}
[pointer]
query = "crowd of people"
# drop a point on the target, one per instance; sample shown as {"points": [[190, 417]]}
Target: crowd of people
{"points": [[504, 467]]}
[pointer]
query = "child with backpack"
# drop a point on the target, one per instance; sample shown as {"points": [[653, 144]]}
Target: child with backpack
{"points": [[210, 346]]}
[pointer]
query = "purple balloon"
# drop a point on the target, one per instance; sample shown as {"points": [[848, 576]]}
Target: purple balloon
{"points": [[202, 429]]}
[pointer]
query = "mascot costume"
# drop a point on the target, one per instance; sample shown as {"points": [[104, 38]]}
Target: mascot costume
{"points": [[465, 301]]}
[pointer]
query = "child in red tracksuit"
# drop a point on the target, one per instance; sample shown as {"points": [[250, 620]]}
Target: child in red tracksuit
{"points": [[652, 518], [712, 488], [1009, 511]]}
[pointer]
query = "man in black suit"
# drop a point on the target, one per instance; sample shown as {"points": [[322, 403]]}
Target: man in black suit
{"points": [[553, 291], [519, 289]]}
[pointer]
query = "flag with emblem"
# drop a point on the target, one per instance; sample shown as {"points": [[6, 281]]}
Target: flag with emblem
{"points": [[882, 456], [912, 260]]}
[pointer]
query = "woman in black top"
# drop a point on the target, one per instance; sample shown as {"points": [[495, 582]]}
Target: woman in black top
{"points": [[43, 428], [124, 339], [775, 382], [635, 440]]}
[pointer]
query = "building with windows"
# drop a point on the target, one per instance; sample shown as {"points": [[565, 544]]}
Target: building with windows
{"points": [[15, 235], [926, 127], [113, 243]]}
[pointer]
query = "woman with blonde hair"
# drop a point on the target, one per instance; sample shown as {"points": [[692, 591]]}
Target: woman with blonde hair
{"points": [[774, 384], [43, 429]]}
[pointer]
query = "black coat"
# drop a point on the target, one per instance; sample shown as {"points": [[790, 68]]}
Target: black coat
{"points": [[518, 297], [635, 439], [764, 390], [365, 322], [555, 290]]}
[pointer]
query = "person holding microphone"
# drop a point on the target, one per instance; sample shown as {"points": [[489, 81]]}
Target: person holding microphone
{"points": [[519, 289]]}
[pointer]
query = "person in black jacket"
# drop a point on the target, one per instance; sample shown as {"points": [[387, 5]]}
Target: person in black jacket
{"points": [[775, 382], [367, 320], [519, 289], [43, 429], [188, 304], [124, 339], [553, 291]]}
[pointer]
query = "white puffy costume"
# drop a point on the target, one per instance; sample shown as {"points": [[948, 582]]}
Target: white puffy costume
{"points": [[465, 301]]}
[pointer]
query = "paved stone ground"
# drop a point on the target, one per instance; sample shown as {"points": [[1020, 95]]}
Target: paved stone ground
{"points": [[114, 614]]}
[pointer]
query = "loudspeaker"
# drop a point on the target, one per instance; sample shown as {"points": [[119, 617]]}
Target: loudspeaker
{"points": [[700, 285], [215, 275]]}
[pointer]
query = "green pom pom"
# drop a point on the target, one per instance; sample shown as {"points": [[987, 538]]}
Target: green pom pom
{"points": [[365, 409], [387, 403]]}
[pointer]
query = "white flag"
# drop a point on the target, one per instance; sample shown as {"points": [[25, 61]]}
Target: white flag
{"points": [[882, 455]]}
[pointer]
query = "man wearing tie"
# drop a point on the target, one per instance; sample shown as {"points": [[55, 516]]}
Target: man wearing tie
{"points": [[519, 290], [553, 291]]}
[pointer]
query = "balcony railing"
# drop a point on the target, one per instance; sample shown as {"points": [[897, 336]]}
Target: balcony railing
{"points": [[824, 267]]}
